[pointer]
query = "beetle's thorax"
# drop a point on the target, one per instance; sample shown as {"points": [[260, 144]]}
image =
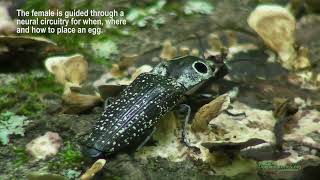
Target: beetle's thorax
{"points": [[189, 71]]}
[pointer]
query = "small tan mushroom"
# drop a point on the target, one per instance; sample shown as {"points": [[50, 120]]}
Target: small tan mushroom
{"points": [[208, 112], [142, 69], [194, 52], [184, 50], [214, 42], [74, 102], [115, 71], [168, 51], [72, 69], [76, 69], [302, 60], [276, 26], [232, 38], [127, 60]]}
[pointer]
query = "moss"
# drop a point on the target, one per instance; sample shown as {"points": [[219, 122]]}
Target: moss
{"points": [[21, 156], [31, 107], [39, 82], [70, 157], [6, 102], [23, 95]]}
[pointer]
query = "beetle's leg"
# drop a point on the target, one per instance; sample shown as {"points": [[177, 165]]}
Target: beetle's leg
{"points": [[147, 138], [203, 97], [235, 114], [279, 130], [206, 96], [186, 119]]}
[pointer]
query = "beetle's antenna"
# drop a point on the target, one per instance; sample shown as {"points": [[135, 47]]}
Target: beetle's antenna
{"points": [[238, 60], [201, 45]]}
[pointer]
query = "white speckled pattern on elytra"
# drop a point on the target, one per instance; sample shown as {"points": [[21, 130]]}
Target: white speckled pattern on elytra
{"points": [[134, 113]]}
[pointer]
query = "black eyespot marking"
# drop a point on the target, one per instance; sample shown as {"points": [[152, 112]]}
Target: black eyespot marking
{"points": [[200, 67]]}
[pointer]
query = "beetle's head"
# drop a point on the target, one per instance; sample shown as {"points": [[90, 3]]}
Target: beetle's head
{"points": [[190, 71]]}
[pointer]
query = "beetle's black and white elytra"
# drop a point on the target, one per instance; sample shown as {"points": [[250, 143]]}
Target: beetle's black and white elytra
{"points": [[132, 115]]}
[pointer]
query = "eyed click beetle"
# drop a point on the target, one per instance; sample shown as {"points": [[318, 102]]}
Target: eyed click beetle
{"points": [[132, 115]]}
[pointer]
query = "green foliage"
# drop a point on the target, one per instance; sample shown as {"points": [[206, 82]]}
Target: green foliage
{"points": [[22, 95], [198, 7], [11, 124], [71, 174], [22, 156], [105, 49], [142, 16], [7, 98], [36, 4], [69, 157], [31, 106], [75, 43]]}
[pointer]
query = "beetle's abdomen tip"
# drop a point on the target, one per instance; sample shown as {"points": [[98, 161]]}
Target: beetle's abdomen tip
{"points": [[91, 152]]}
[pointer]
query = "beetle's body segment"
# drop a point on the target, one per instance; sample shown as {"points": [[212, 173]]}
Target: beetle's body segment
{"points": [[147, 99], [134, 112]]}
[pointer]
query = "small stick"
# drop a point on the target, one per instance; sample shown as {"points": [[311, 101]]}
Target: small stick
{"points": [[96, 167]]}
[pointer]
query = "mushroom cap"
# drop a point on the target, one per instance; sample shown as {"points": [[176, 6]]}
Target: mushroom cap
{"points": [[72, 69], [276, 26]]}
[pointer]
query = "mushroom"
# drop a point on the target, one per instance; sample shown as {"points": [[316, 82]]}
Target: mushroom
{"points": [[168, 52], [276, 26], [74, 102], [184, 50], [68, 69], [214, 42], [302, 60], [194, 52], [71, 71], [142, 69]]}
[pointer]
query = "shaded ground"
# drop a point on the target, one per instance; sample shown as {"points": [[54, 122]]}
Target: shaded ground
{"points": [[258, 82]]}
